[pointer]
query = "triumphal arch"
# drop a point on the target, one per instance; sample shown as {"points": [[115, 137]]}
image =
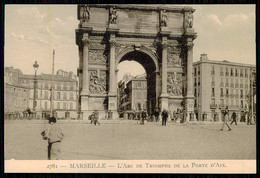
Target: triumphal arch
{"points": [[160, 38]]}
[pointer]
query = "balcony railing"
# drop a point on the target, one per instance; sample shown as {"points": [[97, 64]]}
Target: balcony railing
{"points": [[213, 106], [222, 106]]}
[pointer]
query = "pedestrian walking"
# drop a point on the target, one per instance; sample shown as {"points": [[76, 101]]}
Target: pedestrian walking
{"points": [[95, 118], [184, 117], [234, 118], [174, 117], [164, 117], [143, 115], [54, 135], [225, 119], [156, 114]]}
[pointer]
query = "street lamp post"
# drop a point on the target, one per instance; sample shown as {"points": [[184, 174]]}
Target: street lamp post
{"points": [[35, 66]]}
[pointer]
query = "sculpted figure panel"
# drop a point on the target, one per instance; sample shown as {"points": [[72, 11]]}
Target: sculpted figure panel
{"points": [[85, 13], [98, 82], [174, 60], [189, 19], [113, 16], [97, 57], [174, 84]]}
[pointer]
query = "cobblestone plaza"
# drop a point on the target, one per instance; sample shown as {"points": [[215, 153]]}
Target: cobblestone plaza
{"points": [[125, 140]]}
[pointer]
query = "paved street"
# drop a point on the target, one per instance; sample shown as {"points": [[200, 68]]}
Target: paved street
{"points": [[127, 140]]}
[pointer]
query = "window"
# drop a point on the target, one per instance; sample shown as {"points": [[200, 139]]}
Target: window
{"points": [[64, 105], [231, 72], [45, 105], [64, 95], [71, 95], [58, 95], [213, 81], [45, 94], [213, 101], [222, 102], [199, 81], [221, 81], [221, 71], [241, 93], [232, 102], [195, 71], [227, 73], [212, 92], [227, 92], [241, 104], [198, 70], [241, 72], [58, 105], [236, 73], [195, 82], [195, 92], [212, 70], [221, 92], [71, 105]]}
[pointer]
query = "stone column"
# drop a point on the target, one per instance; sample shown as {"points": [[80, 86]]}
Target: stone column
{"points": [[189, 95], [112, 94], [85, 77], [112, 74], [85, 85], [164, 95]]}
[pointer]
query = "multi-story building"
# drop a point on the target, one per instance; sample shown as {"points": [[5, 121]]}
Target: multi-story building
{"points": [[15, 95], [19, 94], [218, 84], [133, 95], [65, 94]]}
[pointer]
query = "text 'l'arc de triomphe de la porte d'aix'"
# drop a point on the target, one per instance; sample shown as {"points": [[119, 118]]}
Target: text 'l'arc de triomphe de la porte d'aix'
{"points": [[159, 38]]}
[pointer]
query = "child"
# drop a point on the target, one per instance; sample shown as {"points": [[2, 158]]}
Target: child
{"points": [[54, 136]]}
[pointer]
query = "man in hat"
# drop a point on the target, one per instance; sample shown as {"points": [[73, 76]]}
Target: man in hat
{"points": [[225, 119], [156, 114], [54, 135]]}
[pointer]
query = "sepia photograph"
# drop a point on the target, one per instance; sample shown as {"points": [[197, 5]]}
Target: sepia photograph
{"points": [[130, 88]]}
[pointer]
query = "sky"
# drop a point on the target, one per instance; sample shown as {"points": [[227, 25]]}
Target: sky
{"points": [[225, 32]]}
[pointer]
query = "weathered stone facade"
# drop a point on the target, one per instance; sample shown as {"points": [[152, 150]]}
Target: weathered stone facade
{"points": [[159, 38]]}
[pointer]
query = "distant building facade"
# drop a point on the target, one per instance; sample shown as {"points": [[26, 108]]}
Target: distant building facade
{"points": [[218, 84], [65, 94], [133, 95], [15, 95]]}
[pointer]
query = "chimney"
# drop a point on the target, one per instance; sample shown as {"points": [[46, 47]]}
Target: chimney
{"points": [[203, 57]]}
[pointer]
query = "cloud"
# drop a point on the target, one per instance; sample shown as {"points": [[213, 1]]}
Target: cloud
{"points": [[36, 40], [215, 19], [235, 18], [31, 13]]}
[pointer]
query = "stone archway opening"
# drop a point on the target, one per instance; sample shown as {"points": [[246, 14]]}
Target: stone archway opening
{"points": [[150, 85]]}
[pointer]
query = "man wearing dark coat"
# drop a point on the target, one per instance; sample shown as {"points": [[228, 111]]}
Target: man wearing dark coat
{"points": [[234, 118], [164, 117], [156, 114]]}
